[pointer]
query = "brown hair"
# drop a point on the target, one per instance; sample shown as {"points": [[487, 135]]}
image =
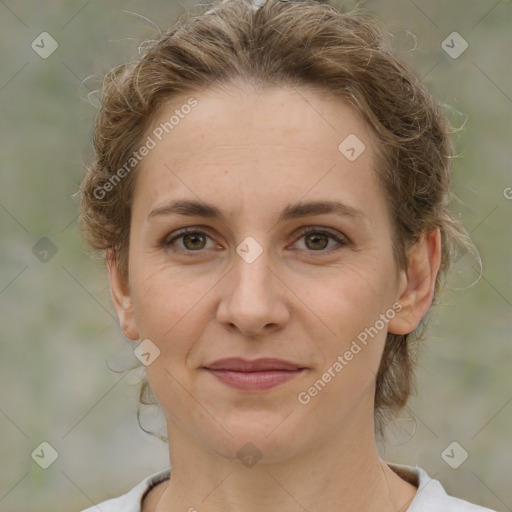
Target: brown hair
{"points": [[287, 43]]}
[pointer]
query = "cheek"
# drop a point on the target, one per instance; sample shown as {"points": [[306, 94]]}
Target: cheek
{"points": [[356, 306], [351, 306], [356, 294], [163, 296], [171, 309], [169, 312], [153, 302]]}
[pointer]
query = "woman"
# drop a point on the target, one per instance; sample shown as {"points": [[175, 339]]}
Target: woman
{"points": [[270, 188]]}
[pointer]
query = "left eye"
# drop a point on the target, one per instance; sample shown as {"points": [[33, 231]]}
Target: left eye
{"points": [[319, 238]]}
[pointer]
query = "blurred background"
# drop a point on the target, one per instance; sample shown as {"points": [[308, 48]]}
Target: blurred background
{"points": [[61, 347]]}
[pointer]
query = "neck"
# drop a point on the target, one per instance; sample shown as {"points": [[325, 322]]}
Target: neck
{"points": [[340, 474]]}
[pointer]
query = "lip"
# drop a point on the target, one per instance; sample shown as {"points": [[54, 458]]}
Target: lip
{"points": [[238, 364], [254, 375]]}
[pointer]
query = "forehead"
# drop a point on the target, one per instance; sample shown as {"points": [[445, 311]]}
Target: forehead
{"points": [[302, 119], [239, 144]]}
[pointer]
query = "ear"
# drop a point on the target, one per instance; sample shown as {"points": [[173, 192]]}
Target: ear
{"points": [[121, 298], [417, 283]]}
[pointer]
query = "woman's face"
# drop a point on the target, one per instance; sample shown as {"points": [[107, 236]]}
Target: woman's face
{"points": [[248, 283]]}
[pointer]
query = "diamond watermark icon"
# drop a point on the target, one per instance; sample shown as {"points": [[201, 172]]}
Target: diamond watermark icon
{"points": [[454, 455], [351, 147], [249, 249], [45, 455], [249, 454], [146, 352], [454, 45], [44, 45], [44, 250]]}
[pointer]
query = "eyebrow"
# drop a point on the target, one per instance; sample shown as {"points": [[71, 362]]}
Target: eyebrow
{"points": [[193, 208]]}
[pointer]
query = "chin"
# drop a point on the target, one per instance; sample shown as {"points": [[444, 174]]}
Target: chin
{"points": [[265, 441]]}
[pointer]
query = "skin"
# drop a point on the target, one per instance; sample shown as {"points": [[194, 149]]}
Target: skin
{"points": [[303, 299]]}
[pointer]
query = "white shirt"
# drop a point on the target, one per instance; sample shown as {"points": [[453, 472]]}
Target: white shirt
{"points": [[430, 496]]}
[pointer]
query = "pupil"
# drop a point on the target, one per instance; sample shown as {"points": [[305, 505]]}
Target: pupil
{"points": [[195, 237], [316, 237]]}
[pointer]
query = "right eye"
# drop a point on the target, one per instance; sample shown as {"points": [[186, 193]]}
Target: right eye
{"points": [[192, 240]]}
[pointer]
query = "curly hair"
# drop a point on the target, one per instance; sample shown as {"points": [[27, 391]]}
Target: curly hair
{"points": [[299, 44]]}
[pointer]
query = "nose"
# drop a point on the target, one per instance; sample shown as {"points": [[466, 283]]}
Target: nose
{"points": [[253, 298]]}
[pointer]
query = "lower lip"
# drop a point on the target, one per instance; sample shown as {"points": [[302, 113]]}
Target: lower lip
{"points": [[255, 381]]}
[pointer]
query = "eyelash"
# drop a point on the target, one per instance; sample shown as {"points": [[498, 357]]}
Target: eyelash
{"points": [[342, 241]]}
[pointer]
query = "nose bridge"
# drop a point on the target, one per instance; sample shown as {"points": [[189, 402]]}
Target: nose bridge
{"points": [[252, 277], [251, 301]]}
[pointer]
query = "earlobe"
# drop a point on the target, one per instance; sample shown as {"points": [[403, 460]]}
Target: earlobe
{"points": [[417, 288], [121, 298]]}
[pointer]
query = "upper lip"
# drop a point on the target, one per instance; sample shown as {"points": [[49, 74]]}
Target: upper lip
{"points": [[238, 364]]}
